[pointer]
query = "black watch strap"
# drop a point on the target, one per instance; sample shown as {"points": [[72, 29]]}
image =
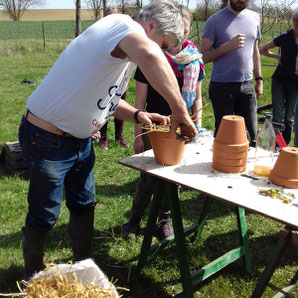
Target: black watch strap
{"points": [[259, 78], [135, 115]]}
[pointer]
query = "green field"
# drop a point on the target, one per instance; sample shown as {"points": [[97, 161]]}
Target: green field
{"points": [[115, 186]]}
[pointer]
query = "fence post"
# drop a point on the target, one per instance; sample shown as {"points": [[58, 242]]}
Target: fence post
{"points": [[43, 35], [198, 32]]}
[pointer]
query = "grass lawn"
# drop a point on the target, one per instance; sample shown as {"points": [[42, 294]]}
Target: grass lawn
{"points": [[115, 186]]}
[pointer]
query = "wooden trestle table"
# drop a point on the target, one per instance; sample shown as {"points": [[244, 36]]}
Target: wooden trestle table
{"points": [[241, 190]]}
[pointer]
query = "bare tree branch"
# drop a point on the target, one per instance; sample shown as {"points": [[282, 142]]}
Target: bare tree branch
{"points": [[275, 14], [16, 8], [96, 6]]}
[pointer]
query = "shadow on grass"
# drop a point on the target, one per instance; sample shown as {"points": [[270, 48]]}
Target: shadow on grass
{"points": [[144, 286], [4, 172], [112, 190], [57, 240]]}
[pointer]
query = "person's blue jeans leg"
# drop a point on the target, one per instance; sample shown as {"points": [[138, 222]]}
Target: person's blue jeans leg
{"points": [[223, 101], [290, 102], [246, 106], [235, 98], [278, 95], [283, 105], [53, 160], [296, 124]]}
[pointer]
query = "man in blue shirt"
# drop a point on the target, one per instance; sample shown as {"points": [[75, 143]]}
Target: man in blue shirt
{"points": [[230, 40]]}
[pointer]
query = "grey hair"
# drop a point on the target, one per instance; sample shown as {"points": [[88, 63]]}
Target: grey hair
{"points": [[166, 16]]}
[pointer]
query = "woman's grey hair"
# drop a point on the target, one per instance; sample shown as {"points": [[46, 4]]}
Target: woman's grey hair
{"points": [[186, 13], [166, 16]]}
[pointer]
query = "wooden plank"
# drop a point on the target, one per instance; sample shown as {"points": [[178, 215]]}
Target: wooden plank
{"points": [[217, 265]]}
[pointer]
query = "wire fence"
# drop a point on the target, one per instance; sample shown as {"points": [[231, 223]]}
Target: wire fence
{"points": [[43, 30]]}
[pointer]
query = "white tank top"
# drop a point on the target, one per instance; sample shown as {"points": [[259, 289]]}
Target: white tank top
{"points": [[84, 86]]}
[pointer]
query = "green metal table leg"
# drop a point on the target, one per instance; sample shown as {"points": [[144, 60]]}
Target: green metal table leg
{"points": [[172, 196], [150, 228], [273, 260], [243, 238]]}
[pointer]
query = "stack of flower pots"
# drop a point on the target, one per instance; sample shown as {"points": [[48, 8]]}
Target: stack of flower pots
{"points": [[285, 170], [167, 148], [230, 145]]}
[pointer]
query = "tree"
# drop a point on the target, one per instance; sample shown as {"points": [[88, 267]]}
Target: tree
{"points": [[207, 7], [96, 6], [123, 4], [274, 12], [139, 3], [224, 3], [16, 8]]}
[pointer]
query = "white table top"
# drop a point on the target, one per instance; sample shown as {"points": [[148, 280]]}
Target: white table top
{"points": [[196, 172]]}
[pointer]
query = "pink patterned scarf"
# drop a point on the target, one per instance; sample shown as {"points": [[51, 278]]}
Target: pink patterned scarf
{"points": [[190, 60]]}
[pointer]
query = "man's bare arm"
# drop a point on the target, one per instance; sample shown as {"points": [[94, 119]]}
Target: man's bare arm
{"points": [[211, 54], [257, 70], [153, 64]]}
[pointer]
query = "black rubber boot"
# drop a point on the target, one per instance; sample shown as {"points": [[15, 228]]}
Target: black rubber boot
{"points": [[81, 234], [132, 227], [33, 250]]}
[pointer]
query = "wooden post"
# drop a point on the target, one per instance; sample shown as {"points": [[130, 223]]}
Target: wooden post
{"points": [[43, 35], [198, 32], [78, 17]]}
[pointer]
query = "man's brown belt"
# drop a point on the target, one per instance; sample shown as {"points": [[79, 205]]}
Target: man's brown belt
{"points": [[45, 124]]}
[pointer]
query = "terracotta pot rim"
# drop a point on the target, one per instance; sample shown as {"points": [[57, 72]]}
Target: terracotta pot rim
{"points": [[229, 162], [230, 155], [230, 147], [289, 183], [163, 135], [228, 169], [246, 144]]}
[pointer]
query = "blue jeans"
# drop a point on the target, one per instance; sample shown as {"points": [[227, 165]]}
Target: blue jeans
{"points": [[53, 162], [235, 99], [283, 106], [296, 124]]}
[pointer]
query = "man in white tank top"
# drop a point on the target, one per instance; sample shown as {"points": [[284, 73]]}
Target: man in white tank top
{"points": [[78, 95]]}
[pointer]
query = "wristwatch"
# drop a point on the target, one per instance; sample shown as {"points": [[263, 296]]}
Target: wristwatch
{"points": [[259, 78]]}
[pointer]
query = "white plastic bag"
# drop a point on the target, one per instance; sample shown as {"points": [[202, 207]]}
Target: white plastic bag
{"points": [[86, 271]]}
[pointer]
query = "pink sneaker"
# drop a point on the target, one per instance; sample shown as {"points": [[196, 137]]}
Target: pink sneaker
{"points": [[122, 142], [163, 229], [103, 143]]}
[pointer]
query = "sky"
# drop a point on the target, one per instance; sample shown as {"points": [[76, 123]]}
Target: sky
{"points": [[70, 4]]}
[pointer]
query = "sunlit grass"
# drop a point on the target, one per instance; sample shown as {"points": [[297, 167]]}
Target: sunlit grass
{"points": [[115, 186]]}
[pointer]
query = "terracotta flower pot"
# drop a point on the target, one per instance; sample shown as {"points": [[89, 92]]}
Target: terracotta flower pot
{"points": [[230, 147], [285, 170], [167, 149], [230, 155], [228, 169], [232, 130], [230, 162]]}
